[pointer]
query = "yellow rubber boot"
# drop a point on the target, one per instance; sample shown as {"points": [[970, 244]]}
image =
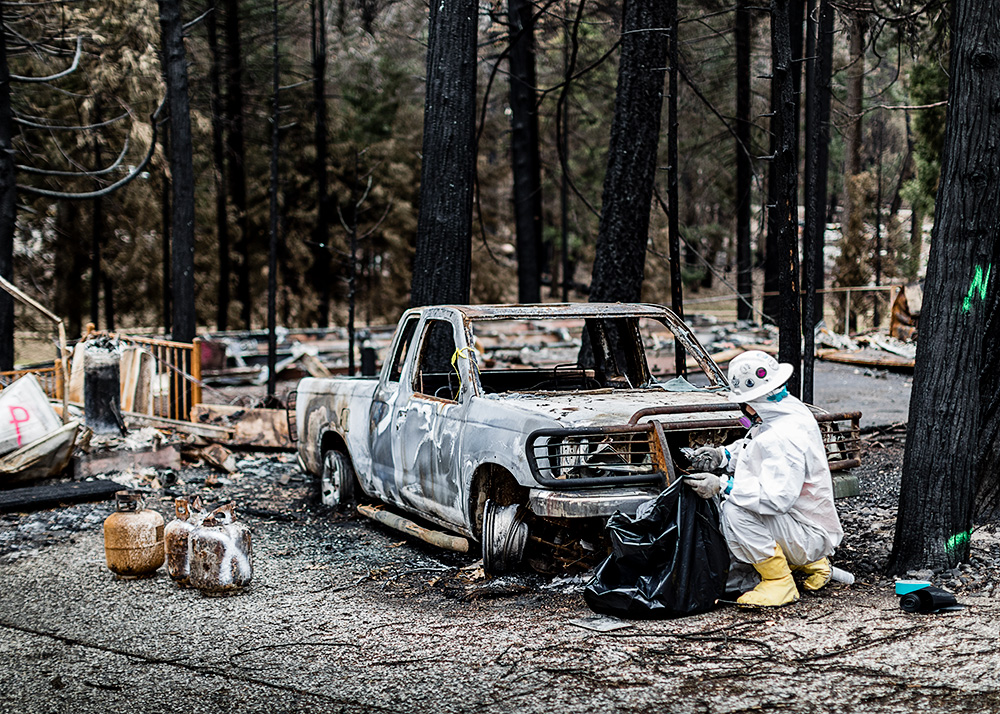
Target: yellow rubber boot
{"points": [[817, 574], [776, 587]]}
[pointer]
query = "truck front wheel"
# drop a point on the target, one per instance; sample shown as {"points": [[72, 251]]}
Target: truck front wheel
{"points": [[505, 534], [336, 481]]}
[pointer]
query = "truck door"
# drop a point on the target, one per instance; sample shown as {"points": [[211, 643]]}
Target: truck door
{"points": [[431, 427], [382, 424]]}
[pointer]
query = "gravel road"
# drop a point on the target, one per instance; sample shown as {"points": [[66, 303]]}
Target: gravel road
{"points": [[882, 396]]}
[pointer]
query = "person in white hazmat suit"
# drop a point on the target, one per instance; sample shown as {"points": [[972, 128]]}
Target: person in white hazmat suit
{"points": [[777, 512]]}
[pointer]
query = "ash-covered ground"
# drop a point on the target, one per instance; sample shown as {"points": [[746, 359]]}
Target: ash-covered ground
{"points": [[346, 616]]}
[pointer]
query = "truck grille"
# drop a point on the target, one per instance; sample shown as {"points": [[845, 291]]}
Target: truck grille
{"points": [[612, 456]]}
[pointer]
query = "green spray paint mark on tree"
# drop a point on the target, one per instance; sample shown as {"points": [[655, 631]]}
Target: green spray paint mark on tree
{"points": [[957, 541], [979, 282]]}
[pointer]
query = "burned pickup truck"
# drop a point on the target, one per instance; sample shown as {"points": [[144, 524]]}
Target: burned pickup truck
{"points": [[525, 448]]}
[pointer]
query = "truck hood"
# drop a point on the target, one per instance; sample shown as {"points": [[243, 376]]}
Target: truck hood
{"points": [[613, 407]]}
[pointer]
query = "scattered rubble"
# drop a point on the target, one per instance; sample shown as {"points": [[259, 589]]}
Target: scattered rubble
{"points": [[250, 427], [256, 486]]}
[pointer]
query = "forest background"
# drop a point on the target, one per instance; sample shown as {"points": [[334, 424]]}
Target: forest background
{"points": [[351, 112]]}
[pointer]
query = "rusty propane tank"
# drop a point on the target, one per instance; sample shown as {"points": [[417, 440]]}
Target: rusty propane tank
{"points": [[177, 538], [220, 553], [133, 537]]}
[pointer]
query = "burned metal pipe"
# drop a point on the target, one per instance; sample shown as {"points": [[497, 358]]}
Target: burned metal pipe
{"points": [[404, 525], [841, 464]]}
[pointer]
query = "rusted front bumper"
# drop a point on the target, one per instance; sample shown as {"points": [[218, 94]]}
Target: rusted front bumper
{"points": [[586, 503]]}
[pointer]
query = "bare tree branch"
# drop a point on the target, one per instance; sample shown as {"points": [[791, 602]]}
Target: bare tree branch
{"points": [[79, 174], [72, 68], [576, 75], [905, 108], [137, 171], [53, 127], [374, 228], [191, 23]]}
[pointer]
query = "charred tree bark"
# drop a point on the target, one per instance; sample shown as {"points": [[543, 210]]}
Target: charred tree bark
{"points": [[352, 265], [782, 218], [181, 169], [236, 150], [97, 277], [744, 167], [673, 204], [954, 401], [524, 152], [165, 219], [70, 263], [109, 303], [272, 253], [819, 48], [635, 130], [8, 206], [772, 300], [443, 259], [824, 79], [319, 270], [219, 159]]}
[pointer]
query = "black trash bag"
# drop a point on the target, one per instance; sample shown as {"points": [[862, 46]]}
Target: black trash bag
{"points": [[669, 560]]}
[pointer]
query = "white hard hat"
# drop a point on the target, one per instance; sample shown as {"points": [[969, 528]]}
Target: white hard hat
{"points": [[754, 374]]}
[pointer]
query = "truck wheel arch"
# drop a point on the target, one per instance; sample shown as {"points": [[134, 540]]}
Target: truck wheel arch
{"points": [[492, 482], [331, 440]]}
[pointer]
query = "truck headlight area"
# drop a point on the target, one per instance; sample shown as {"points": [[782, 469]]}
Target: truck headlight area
{"points": [[596, 457]]}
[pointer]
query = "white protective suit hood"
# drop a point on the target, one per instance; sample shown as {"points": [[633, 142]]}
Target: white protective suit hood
{"points": [[780, 467]]}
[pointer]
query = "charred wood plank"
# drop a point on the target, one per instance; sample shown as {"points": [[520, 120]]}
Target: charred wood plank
{"points": [[35, 498]]}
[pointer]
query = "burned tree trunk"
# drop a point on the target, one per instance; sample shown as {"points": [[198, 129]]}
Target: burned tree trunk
{"points": [[819, 55], [70, 260], [181, 169], [952, 407], [744, 167], [272, 253], [524, 152], [236, 149], [635, 132], [165, 219], [219, 159], [319, 270], [824, 80], [8, 206], [782, 218], [443, 260], [97, 276], [673, 204]]}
